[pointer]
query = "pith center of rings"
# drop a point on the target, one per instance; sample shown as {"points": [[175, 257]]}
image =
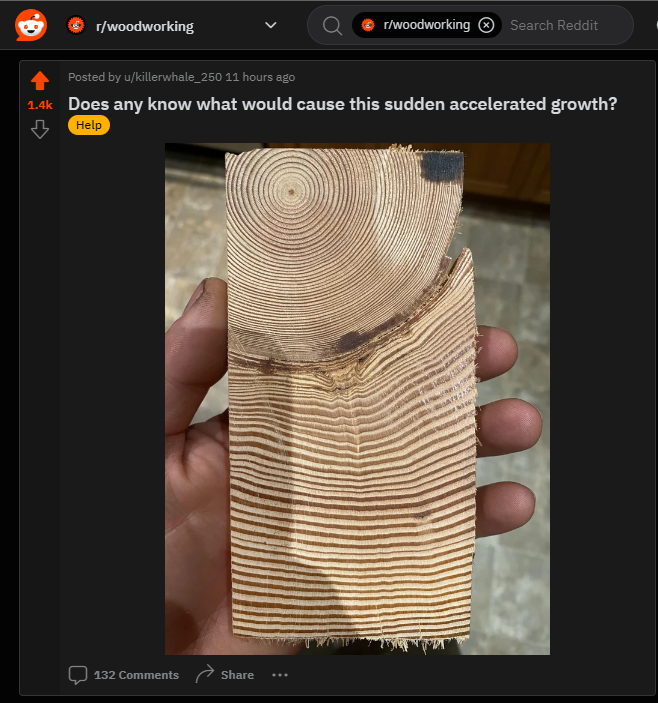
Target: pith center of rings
{"points": [[292, 192]]}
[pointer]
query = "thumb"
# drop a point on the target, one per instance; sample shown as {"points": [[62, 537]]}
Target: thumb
{"points": [[195, 354]]}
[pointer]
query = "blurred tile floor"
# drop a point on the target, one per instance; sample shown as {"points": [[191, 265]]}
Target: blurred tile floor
{"points": [[511, 251]]}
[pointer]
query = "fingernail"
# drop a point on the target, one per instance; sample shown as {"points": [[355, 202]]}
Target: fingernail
{"points": [[196, 295]]}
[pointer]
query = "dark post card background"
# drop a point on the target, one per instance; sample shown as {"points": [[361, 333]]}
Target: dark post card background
{"points": [[91, 286]]}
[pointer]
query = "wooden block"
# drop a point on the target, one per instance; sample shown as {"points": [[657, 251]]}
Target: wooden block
{"points": [[352, 396]]}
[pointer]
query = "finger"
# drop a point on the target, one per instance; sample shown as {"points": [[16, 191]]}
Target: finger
{"points": [[216, 428], [507, 426], [195, 354], [502, 507], [498, 352]]}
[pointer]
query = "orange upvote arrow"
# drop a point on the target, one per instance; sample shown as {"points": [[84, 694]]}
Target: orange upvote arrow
{"points": [[39, 79]]}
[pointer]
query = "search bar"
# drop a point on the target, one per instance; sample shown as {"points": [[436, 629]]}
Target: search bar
{"points": [[440, 25]]}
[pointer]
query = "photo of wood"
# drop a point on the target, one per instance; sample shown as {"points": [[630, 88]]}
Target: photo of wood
{"points": [[352, 388]]}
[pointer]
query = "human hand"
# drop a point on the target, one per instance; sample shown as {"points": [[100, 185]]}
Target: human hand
{"points": [[197, 536]]}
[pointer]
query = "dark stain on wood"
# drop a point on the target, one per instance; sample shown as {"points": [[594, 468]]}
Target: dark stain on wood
{"points": [[266, 367], [442, 166], [352, 340]]}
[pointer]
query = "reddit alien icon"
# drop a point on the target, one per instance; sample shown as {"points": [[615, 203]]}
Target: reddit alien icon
{"points": [[30, 25]]}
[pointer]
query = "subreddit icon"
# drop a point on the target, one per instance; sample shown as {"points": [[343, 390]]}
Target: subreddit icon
{"points": [[30, 25], [75, 24]]}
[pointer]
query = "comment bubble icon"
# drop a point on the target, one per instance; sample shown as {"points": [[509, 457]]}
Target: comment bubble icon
{"points": [[77, 674]]}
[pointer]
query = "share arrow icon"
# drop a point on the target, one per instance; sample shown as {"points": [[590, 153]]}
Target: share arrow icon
{"points": [[210, 671], [39, 128]]}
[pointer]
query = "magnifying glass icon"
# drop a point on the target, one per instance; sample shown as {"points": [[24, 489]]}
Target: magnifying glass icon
{"points": [[332, 31]]}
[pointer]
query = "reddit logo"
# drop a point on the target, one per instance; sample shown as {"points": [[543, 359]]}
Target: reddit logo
{"points": [[367, 25], [30, 25]]}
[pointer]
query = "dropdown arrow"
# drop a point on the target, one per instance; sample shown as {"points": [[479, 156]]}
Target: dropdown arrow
{"points": [[270, 25]]}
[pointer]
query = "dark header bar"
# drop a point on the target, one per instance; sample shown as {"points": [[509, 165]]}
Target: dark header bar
{"points": [[272, 26]]}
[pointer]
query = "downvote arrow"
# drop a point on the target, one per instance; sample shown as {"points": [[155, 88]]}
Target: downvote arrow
{"points": [[38, 126]]}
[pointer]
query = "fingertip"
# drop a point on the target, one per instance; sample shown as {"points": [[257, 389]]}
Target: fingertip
{"points": [[522, 502], [502, 507], [508, 426], [529, 422], [215, 286], [195, 354], [498, 352], [213, 297]]}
